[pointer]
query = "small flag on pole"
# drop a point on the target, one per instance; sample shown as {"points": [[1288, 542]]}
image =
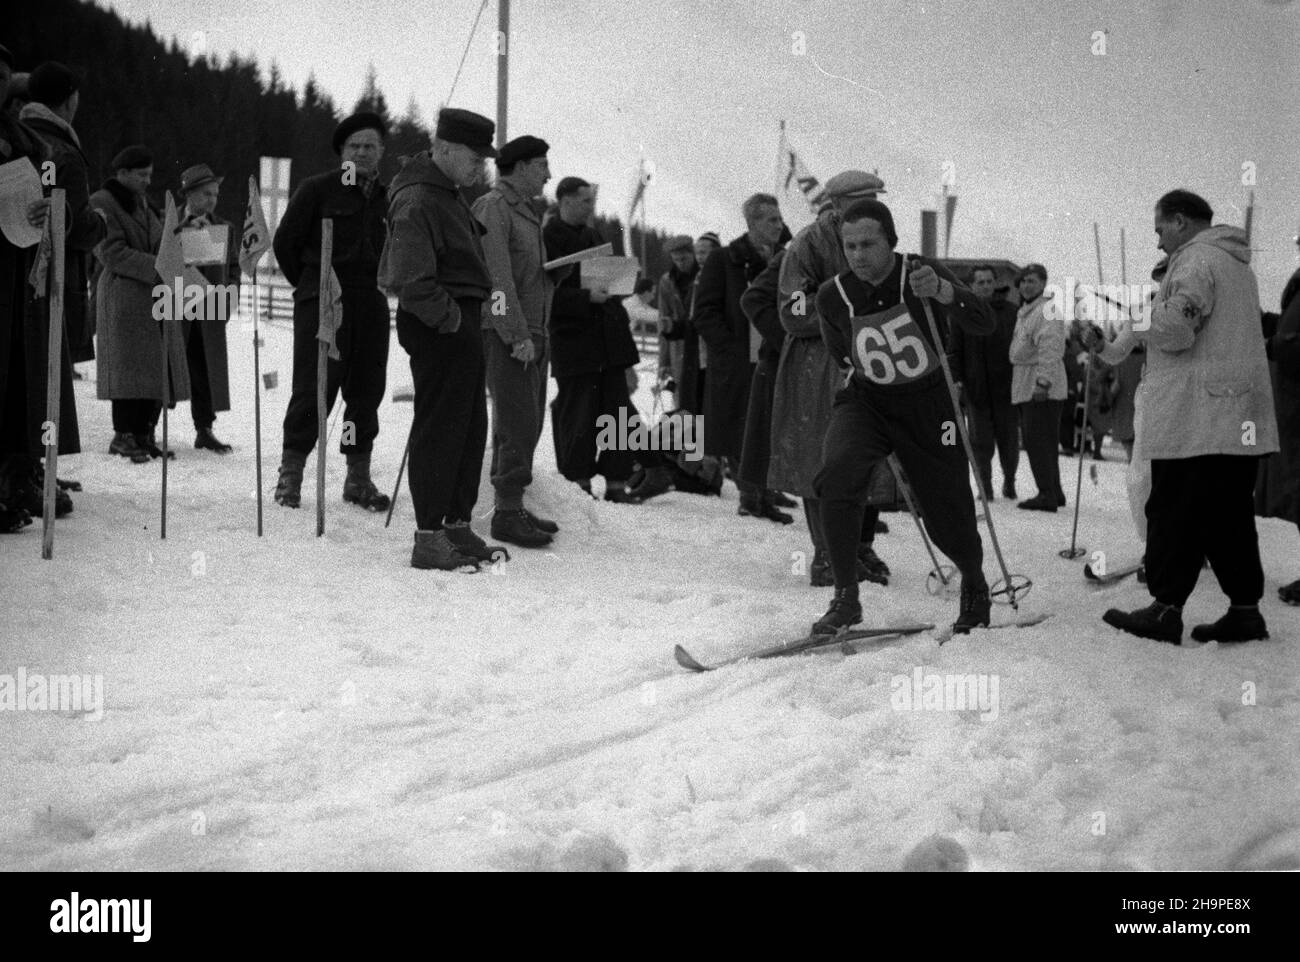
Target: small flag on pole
{"points": [[257, 238], [331, 316], [170, 262], [800, 174]]}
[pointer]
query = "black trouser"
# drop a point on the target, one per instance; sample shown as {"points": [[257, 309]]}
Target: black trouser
{"points": [[1203, 508], [579, 402], [136, 415], [200, 386], [360, 373], [1039, 421], [449, 424], [517, 415], [866, 426], [995, 426]]}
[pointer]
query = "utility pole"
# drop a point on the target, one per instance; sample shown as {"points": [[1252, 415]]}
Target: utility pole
{"points": [[503, 67]]}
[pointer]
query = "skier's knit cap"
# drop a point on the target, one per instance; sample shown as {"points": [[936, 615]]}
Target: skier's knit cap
{"points": [[521, 150], [456, 126], [870, 209], [854, 183], [682, 242], [365, 120], [711, 237]]}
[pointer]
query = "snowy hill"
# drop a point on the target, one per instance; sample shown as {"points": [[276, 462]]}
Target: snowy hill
{"points": [[295, 703]]}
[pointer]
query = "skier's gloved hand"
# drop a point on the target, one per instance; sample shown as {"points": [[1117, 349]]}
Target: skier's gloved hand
{"points": [[924, 281]]}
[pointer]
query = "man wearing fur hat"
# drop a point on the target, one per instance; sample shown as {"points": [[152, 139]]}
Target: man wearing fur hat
{"points": [[514, 333], [353, 198], [205, 337]]}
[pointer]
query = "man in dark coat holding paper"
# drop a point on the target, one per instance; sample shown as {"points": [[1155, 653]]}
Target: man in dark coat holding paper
{"points": [[205, 337], [355, 200], [592, 353]]}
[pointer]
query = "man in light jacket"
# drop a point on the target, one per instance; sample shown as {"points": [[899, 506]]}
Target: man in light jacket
{"points": [[1206, 418], [1038, 385], [514, 333]]}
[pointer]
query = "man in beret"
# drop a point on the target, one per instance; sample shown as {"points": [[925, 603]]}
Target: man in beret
{"points": [[353, 198], [205, 337], [814, 256], [514, 333], [433, 263]]}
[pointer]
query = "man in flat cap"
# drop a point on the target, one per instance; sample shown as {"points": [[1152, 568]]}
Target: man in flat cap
{"points": [[815, 256], [205, 337], [433, 263], [354, 199], [514, 333]]}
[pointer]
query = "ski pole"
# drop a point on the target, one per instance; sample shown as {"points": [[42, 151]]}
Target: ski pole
{"points": [[392, 502], [970, 452], [911, 507], [325, 303], [1074, 551]]}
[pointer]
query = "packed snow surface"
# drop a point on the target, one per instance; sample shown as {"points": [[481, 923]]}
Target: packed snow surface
{"points": [[292, 702]]}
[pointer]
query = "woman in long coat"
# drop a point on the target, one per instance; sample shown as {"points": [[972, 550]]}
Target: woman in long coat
{"points": [[129, 339]]}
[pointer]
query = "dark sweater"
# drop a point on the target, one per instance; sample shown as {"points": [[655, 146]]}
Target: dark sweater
{"points": [[586, 338], [967, 310], [358, 232]]}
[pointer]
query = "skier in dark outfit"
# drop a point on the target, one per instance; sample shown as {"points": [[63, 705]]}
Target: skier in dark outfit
{"points": [[895, 400]]}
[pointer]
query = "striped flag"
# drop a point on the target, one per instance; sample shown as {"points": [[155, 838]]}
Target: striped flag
{"points": [[796, 171]]}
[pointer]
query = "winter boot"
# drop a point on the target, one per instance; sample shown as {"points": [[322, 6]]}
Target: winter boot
{"points": [[128, 447], [870, 567], [1158, 621], [288, 490], [359, 489], [844, 612], [881, 527], [433, 549], [976, 605], [1290, 593], [205, 439], [757, 506], [512, 526], [782, 500], [464, 540], [12, 517], [1241, 623], [1040, 503], [1008, 490], [654, 482], [542, 524], [149, 443]]}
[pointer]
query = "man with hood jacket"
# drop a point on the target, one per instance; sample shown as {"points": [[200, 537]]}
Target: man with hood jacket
{"points": [[433, 263], [1206, 418]]}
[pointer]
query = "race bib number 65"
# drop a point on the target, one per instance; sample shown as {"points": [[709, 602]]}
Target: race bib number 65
{"points": [[889, 349]]}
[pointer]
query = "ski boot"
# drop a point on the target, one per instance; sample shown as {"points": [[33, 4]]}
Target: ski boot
{"points": [[288, 490], [976, 606], [464, 540], [128, 447], [359, 489], [542, 524], [512, 526], [1156, 621], [844, 612], [434, 550], [1241, 623], [149, 443]]}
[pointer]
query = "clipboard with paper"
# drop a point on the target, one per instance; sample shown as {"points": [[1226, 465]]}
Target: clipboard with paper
{"points": [[616, 275], [205, 245]]}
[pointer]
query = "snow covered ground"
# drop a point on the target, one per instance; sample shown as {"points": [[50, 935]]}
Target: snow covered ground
{"points": [[295, 703]]}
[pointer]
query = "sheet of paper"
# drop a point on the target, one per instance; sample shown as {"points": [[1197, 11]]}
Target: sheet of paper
{"points": [[588, 254], [617, 275], [20, 187], [205, 245]]}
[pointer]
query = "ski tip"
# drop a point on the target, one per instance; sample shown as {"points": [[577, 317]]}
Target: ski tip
{"points": [[684, 658]]}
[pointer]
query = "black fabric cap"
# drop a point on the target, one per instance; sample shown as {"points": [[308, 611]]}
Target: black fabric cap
{"points": [[522, 149], [132, 158], [365, 120], [456, 126], [51, 84]]}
